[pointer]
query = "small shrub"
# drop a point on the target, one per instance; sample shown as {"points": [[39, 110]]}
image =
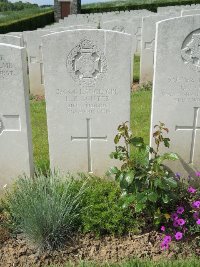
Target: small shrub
{"points": [[149, 187], [104, 213], [47, 208]]}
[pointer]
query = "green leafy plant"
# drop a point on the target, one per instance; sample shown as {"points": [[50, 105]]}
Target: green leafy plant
{"points": [[104, 213], [148, 187], [46, 208]]}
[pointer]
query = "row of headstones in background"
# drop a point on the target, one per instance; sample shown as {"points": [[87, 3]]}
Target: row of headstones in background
{"points": [[82, 97], [85, 101], [132, 25], [15, 131], [176, 89]]}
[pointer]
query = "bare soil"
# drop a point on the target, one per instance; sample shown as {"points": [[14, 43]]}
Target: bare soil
{"points": [[16, 251]]}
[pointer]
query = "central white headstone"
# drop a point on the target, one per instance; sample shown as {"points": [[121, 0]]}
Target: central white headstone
{"points": [[176, 91], [87, 88], [15, 131]]}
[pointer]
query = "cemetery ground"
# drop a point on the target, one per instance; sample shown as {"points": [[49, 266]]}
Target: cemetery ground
{"points": [[103, 232]]}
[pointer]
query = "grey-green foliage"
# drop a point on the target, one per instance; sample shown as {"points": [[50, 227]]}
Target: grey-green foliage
{"points": [[46, 208]]}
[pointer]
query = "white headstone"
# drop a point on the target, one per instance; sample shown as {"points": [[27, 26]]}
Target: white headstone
{"points": [[123, 26], [15, 131], [148, 45], [34, 50], [10, 39], [87, 96], [190, 12], [176, 90]]}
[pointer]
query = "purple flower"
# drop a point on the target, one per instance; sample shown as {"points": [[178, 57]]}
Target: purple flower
{"points": [[164, 245], [191, 190], [196, 215], [174, 216], [162, 228], [180, 210], [197, 174], [175, 223], [181, 222], [196, 204], [178, 236], [198, 221], [178, 176], [167, 239]]}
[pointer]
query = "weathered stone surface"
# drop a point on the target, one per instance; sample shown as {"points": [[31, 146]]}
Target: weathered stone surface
{"points": [[190, 12], [15, 131], [86, 100], [35, 63], [11, 39], [148, 45], [176, 91]]}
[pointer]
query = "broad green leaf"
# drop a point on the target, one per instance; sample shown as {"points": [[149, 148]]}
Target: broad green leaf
{"points": [[153, 196], [139, 207], [114, 170], [171, 182], [129, 177]]}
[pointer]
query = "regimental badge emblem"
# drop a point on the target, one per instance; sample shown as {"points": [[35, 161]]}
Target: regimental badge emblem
{"points": [[86, 63], [118, 28], [190, 51]]}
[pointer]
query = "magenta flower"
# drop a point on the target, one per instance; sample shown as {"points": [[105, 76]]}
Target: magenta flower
{"points": [[191, 190], [175, 223], [178, 236], [181, 222], [198, 221], [196, 204], [162, 228], [198, 174], [167, 239], [196, 215], [174, 216], [180, 210], [164, 245]]}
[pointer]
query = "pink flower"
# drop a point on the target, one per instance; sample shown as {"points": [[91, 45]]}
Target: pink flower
{"points": [[196, 204], [180, 210], [178, 236], [167, 239], [164, 246], [174, 216], [175, 223], [198, 221], [191, 190], [181, 222], [196, 215], [197, 174], [162, 228]]}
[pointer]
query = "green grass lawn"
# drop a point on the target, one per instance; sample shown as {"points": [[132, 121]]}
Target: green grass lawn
{"points": [[140, 123], [130, 2], [12, 16]]}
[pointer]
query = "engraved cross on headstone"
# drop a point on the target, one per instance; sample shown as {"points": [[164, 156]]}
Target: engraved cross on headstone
{"points": [[192, 128], [9, 123], [89, 140]]}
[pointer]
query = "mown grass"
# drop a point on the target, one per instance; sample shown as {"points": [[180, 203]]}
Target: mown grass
{"points": [[39, 134], [12, 16], [140, 124], [129, 2], [141, 263]]}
